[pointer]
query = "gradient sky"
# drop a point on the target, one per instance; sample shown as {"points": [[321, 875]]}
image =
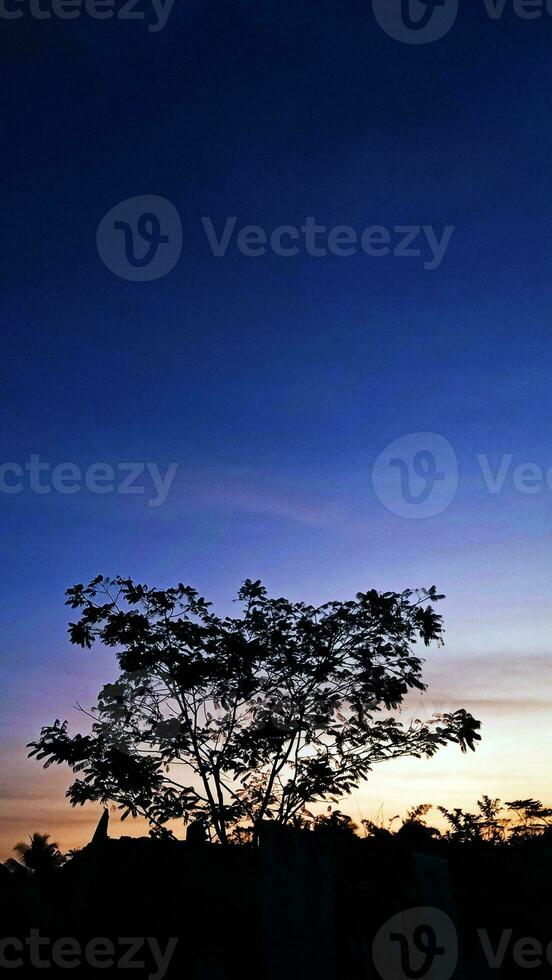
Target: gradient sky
{"points": [[275, 383]]}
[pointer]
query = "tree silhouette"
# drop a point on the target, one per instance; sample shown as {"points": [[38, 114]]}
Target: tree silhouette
{"points": [[334, 824], [470, 828], [41, 856], [490, 824], [532, 818], [279, 707]]}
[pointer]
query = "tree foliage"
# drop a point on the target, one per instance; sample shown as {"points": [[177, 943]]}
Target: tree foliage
{"points": [[492, 823], [41, 855], [282, 706]]}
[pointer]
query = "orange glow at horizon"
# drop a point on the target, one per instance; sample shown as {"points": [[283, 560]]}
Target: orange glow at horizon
{"points": [[510, 763]]}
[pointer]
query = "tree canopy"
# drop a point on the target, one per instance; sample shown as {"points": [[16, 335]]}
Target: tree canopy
{"points": [[41, 855], [282, 706]]}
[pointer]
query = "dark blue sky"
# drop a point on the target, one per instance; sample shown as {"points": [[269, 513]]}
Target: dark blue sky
{"points": [[275, 383]]}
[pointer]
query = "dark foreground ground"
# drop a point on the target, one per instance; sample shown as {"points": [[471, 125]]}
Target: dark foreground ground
{"points": [[300, 905]]}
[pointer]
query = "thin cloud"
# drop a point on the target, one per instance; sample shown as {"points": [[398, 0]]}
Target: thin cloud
{"points": [[249, 493]]}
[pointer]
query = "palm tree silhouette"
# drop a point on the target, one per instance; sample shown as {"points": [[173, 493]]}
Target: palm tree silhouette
{"points": [[41, 856]]}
